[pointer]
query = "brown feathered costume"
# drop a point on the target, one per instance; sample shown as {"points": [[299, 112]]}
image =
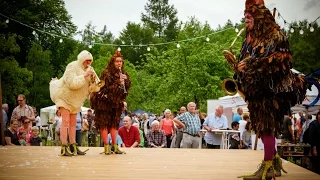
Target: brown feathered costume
{"points": [[267, 82], [108, 102]]}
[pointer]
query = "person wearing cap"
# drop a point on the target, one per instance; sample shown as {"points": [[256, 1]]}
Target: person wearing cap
{"points": [[69, 93]]}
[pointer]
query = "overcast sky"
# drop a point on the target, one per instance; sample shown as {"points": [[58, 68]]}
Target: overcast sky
{"points": [[116, 13]]}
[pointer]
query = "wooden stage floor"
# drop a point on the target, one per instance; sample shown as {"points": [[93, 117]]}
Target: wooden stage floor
{"points": [[202, 164]]}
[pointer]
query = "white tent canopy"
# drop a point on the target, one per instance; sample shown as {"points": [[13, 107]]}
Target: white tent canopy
{"points": [[232, 101], [310, 96], [48, 113]]}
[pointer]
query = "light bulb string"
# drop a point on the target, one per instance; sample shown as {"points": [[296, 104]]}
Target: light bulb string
{"points": [[137, 45], [285, 22]]}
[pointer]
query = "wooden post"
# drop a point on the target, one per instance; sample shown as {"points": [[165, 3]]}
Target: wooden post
{"points": [[256, 142], [1, 117]]}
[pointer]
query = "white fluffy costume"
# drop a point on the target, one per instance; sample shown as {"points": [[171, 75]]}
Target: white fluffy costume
{"points": [[69, 93]]}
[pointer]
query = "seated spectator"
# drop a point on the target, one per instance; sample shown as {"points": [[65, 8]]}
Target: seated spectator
{"points": [[23, 138], [10, 134], [156, 137], [141, 135], [35, 140], [246, 136], [129, 134], [234, 138], [25, 128]]}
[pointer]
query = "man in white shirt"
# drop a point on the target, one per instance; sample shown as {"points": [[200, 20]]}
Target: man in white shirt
{"points": [[242, 124], [215, 121]]}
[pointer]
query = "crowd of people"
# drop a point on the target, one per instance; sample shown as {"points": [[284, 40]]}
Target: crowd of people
{"points": [[177, 129], [23, 126]]}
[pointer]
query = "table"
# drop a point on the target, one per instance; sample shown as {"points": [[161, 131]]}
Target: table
{"points": [[224, 138], [295, 151]]}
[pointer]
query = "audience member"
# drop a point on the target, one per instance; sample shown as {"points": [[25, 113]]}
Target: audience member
{"points": [[156, 137], [214, 121], [129, 134], [35, 140], [10, 134], [234, 138]]}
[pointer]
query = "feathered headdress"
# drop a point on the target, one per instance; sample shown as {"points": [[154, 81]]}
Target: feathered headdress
{"points": [[264, 22], [117, 54]]}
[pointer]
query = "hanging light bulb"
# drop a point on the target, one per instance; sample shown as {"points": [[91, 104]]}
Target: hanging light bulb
{"points": [[34, 32], [237, 30], [207, 39], [122, 42], [90, 46], [61, 40], [7, 21], [291, 30], [178, 45], [148, 48], [119, 48], [311, 28], [301, 31]]}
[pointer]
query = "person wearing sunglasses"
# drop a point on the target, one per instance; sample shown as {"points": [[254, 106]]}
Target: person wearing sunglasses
{"points": [[26, 127], [22, 110]]}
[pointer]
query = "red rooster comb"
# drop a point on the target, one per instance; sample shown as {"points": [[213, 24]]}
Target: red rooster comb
{"points": [[117, 54], [252, 2]]}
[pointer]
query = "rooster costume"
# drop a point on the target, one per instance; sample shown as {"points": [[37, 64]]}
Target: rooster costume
{"points": [[269, 86], [108, 102], [69, 93]]}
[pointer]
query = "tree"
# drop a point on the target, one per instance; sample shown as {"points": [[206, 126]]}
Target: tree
{"points": [[162, 18], [13, 78], [194, 72], [38, 61], [135, 34], [49, 16], [305, 48]]}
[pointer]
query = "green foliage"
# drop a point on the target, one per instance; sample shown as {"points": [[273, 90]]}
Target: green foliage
{"points": [[193, 72], [14, 80], [135, 34], [38, 61], [305, 48], [162, 18]]}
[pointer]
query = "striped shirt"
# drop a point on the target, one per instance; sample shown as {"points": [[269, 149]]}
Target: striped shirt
{"points": [[192, 122]]}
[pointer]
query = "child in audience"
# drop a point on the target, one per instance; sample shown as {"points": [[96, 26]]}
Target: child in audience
{"points": [[35, 140], [22, 138]]}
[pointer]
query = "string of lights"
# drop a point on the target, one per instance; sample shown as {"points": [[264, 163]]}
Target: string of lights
{"points": [[177, 42], [300, 27]]}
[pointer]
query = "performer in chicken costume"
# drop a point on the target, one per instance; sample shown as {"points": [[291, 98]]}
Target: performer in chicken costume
{"points": [[108, 102], [269, 86], [69, 93]]}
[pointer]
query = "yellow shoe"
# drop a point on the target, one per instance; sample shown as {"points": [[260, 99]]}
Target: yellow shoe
{"points": [[116, 150], [76, 151], [277, 164], [107, 150], [65, 151], [264, 172]]}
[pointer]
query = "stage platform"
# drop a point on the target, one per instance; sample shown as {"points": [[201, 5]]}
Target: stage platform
{"points": [[38, 163]]}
